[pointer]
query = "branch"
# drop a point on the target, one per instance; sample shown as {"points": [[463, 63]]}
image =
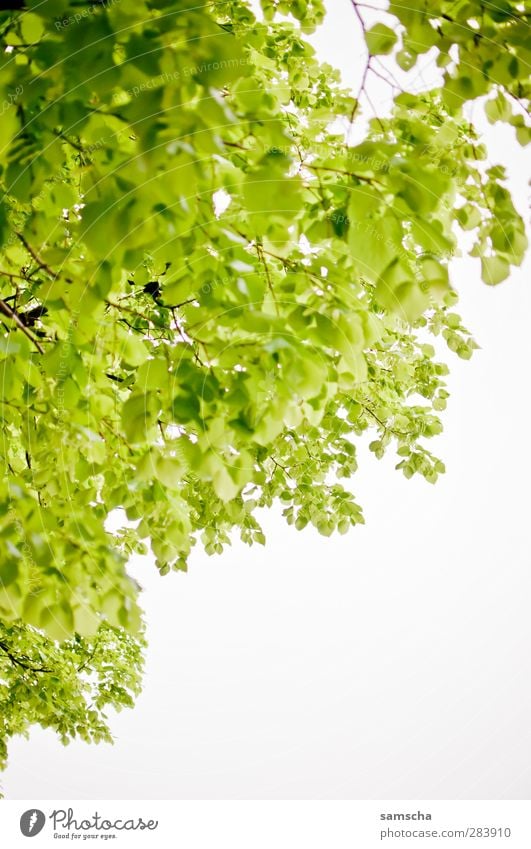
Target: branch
{"points": [[6, 310], [345, 173], [362, 89], [17, 661], [262, 259], [366, 71], [11, 275], [36, 256], [518, 101], [90, 656], [124, 308], [393, 82]]}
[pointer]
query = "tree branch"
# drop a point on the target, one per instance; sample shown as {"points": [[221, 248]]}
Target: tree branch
{"points": [[36, 257], [21, 661], [6, 310]]}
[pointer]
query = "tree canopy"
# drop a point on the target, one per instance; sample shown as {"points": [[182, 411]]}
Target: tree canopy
{"points": [[219, 268]]}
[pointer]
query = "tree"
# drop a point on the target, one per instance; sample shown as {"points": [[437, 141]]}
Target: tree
{"points": [[208, 292], [65, 686]]}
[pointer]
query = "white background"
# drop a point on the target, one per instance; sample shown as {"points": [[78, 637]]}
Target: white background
{"points": [[390, 663]]}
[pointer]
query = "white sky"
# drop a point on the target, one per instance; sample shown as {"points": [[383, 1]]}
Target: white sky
{"points": [[390, 663]]}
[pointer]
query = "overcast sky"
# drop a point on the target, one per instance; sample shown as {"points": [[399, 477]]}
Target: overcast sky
{"points": [[390, 663]]}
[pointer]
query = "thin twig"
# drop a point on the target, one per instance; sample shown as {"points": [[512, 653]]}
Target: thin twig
{"points": [[262, 259], [36, 256], [6, 310], [90, 657], [346, 173], [17, 661]]}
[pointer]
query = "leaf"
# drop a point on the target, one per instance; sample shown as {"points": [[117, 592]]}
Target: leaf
{"points": [[494, 269], [435, 276], [266, 194], [169, 471], [137, 417], [3, 223], [86, 621], [32, 27], [375, 244], [9, 570], [8, 346], [380, 39], [225, 487], [152, 374], [58, 621], [497, 109], [133, 350]]}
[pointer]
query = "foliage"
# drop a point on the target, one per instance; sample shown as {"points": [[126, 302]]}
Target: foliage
{"points": [[207, 293], [65, 687]]}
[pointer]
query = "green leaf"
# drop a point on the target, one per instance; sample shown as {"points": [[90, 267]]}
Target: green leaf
{"points": [[494, 269], [8, 346], [9, 570], [152, 374], [133, 350], [375, 244], [32, 27], [380, 39]]}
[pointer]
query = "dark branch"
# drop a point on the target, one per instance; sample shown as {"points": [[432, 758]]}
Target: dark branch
{"points": [[21, 661], [6, 310]]}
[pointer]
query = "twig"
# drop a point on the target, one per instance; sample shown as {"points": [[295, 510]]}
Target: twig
{"points": [[16, 661], [89, 658], [280, 466], [345, 173], [36, 256], [6, 310], [11, 275], [262, 259], [362, 89]]}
